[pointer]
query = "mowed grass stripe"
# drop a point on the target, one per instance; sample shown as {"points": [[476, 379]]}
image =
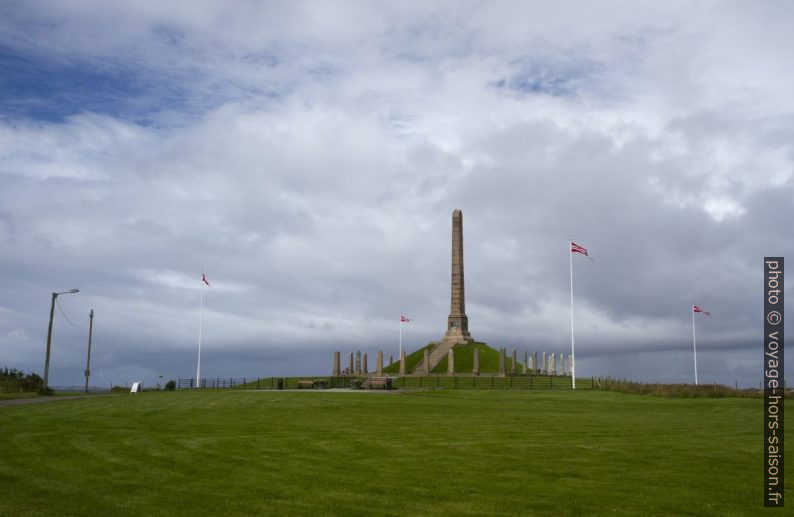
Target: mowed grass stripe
{"points": [[429, 452]]}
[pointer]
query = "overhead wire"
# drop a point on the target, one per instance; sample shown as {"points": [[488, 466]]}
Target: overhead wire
{"points": [[67, 317]]}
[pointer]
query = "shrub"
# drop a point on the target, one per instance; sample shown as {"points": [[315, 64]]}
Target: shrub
{"points": [[170, 385], [16, 380]]}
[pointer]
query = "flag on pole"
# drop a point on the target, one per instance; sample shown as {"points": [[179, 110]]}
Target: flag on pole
{"points": [[695, 308], [575, 248], [403, 319], [204, 278]]}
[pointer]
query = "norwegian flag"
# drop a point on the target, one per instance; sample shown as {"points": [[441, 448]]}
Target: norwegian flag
{"points": [[204, 278], [575, 248], [403, 319], [695, 308]]}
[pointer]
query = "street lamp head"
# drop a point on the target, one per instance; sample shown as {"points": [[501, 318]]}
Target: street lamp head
{"points": [[70, 291]]}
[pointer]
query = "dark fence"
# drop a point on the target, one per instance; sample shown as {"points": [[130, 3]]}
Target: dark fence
{"points": [[492, 382]]}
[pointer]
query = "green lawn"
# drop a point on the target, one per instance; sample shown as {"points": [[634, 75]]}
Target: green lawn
{"points": [[446, 452]]}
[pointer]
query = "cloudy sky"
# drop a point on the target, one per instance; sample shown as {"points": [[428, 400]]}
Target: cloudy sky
{"points": [[308, 155]]}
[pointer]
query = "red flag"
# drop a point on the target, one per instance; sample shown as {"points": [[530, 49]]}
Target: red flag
{"points": [[695, 308], [403, 319], [204, 278], [575, 248]]}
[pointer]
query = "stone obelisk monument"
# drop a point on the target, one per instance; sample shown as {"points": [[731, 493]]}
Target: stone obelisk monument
{"points": [[457, 322]]}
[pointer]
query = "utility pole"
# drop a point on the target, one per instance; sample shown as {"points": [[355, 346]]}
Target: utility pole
{"points": [[88, 360]]}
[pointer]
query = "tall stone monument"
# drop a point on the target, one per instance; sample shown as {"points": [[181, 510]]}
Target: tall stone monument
{"points": [[457, 322]]}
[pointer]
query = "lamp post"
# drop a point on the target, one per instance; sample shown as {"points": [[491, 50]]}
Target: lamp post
{"points": [[88, 359], [49, 334]]}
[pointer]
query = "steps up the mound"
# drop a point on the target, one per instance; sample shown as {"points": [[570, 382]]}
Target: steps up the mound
{"points": [[436, 355]]}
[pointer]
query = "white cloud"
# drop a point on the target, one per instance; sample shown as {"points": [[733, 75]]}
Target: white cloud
{"points": [[308, 156]]}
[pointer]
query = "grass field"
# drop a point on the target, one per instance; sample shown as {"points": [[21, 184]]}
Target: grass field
{"points": [[451, 452]]}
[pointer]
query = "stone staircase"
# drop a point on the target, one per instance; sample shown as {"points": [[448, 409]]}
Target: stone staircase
{"points": [[436, 355]]}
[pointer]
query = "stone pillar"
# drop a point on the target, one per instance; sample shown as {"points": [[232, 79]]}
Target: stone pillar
{"points": [[350, 363], [526, 361], [358, 363], [364, 369], [502, 362], [450, 362], [515, 361], [533, 359], [545, 363], [379, 364], [426, 362], [402, 363], [562, 364], [391, 359], [476, 363], [553, 365], [335, 369]]}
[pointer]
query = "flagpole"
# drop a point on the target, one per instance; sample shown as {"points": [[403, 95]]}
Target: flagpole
{"points": [[201, 308], [401, 336], [694, 343], [573, 354]]}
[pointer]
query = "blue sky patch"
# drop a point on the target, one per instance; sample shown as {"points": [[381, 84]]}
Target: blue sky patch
{"points": [[558, 79], [40, 88]]}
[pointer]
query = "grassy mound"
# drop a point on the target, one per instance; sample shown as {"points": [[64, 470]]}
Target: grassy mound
{"points": [[464, 360], [411, 360], [489, 359]]}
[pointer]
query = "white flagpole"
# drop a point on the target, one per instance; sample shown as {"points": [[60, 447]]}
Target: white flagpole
{"points": [[573, 354], [694, 343], [201, 308], [401, 336]]}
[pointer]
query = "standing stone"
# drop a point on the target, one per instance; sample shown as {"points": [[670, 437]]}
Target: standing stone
{"points": [[335, 369], [402, 362], [562, 364], [379, 364], [364, 368], [545, 363], [451, 362], [553, 365], [501, 362], [358, 363], [526, 361], [513, 369], [391, 359], [534, 361], [476, 362], [426, 362], [350, 363]]}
